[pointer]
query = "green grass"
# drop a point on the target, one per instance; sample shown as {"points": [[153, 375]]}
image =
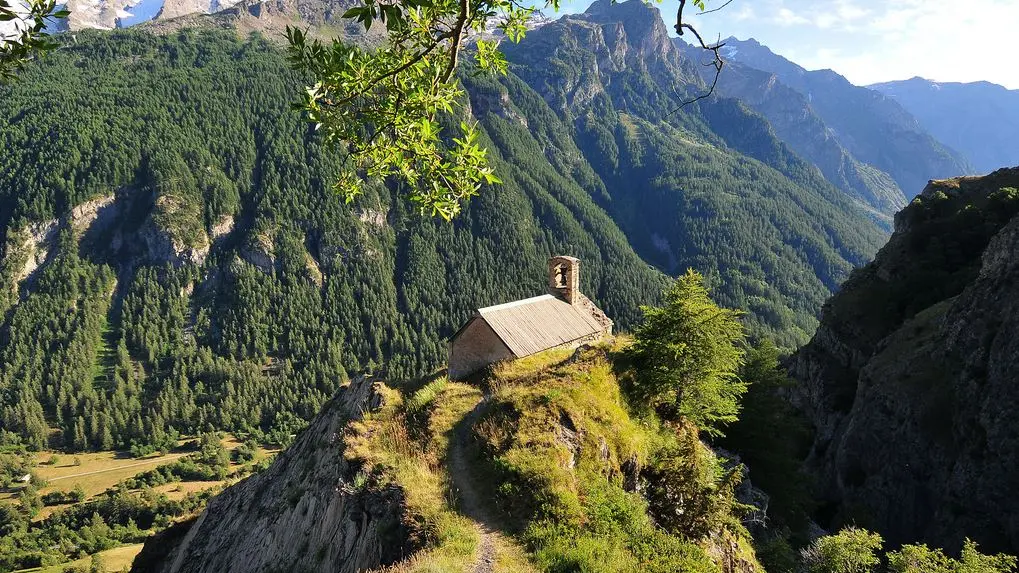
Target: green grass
{"points": [[106, 356], [382, 440], [409, 440], [99, 471], [555, 444], [558, 441], [115, 560]]}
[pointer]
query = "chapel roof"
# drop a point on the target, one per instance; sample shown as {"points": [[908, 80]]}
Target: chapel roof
{"points": [[534, 324]]}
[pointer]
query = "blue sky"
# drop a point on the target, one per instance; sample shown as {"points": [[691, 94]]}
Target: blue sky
{"points": [[872, 41], [867, 41]]}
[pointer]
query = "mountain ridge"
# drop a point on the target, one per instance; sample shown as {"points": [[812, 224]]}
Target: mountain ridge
{"points": [[874, 128], [794, 120], [977, 118]]}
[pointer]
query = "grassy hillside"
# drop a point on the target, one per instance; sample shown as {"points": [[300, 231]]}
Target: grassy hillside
{"points": [[536, 470]]}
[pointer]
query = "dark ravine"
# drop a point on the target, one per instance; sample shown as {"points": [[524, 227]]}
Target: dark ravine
{"points": [[910, 378], [306, 512]]}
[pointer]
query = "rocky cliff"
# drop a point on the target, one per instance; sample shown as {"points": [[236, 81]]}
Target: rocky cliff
{"points": [[309, 511], [910, 378]]}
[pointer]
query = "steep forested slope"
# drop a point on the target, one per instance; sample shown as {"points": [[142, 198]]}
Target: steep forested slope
{"points": [[174, 259], [208, 276], [707, 185], [979, 119]]}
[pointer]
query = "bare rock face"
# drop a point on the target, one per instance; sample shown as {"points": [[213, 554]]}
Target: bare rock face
{"points": [[260, 251], [36, 243], [174, 233], [306, 512], [101, 14], [178, 8], [606, 41], [910, 380], [223, 227], [95, 215]]}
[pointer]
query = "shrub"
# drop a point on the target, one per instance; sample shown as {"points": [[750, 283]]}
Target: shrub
{"points": [[851, 550], [972, 561], [772, 438], [776, 555], [918, 559], [30, 501], [688, 491], [245, 452]]}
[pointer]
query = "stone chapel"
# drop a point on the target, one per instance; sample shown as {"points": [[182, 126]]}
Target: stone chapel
{"points": [[562, 318]]}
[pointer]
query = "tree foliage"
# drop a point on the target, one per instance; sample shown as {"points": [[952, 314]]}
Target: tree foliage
{"points": [[688, 491], [772, 438], [855, 550], [386, 105], [851, 550], [687, 355], [23, 32]]}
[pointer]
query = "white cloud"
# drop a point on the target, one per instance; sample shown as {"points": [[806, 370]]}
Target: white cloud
{"points": [[743, 12], [825, 21], [850, 11], [939, 40], [786, 17], [869, 41]]}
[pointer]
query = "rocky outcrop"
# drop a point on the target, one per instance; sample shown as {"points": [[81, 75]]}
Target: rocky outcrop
{"points": [[308, 511], [260, 251], [910, 379], [95, 215], [223, 227], [101, 14], [606, 41], [36, 242], [173, 232], [178, 8]]}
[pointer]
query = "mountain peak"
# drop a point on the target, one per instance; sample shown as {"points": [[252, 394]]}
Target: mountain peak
{"points": [[642, 22]]}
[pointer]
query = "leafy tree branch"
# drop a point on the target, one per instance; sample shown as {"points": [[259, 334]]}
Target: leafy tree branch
{"points": [[22, 33], [385, 107]]}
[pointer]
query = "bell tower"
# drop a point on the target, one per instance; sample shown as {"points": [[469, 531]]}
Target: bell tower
{"points": [[564, 278]]}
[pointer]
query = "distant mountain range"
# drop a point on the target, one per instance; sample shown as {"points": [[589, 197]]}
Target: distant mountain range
{"points": [[873, 128], [804, 129], [979, 119]]}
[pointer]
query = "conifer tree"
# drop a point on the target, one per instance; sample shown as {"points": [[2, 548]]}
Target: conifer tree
{"points": [[686, 357]]}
